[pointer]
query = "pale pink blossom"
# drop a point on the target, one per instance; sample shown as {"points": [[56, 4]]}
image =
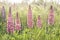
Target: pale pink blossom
{"points": [[39, 22], [29, 18], [10, 24], [17, 23], [51, 16]]}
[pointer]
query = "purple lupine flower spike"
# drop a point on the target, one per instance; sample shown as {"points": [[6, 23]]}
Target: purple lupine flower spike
{"points": [[51, 16], [39, 23], [10, 24], [17, 23], [3, 14], [29, 18]]}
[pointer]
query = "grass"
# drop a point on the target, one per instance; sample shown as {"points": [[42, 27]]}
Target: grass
{"points": [[47, 32]]}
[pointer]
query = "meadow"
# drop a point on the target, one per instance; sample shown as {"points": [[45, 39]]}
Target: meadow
{"points": [[47, 32]]}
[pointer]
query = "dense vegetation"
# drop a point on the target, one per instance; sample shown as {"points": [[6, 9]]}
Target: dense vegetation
{"points": [[47, 32]]}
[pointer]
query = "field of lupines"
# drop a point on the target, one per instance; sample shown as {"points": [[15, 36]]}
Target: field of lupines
{"points": [[30, 23]]}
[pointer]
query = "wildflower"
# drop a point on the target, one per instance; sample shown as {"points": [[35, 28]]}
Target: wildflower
{"points": [[39, 23], [17, 23], [3, 14], [29, 18], [51, 16], [10, 24]]}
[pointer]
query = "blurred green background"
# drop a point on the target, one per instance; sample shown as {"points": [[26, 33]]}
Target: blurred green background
{"points": [[38, 8]]}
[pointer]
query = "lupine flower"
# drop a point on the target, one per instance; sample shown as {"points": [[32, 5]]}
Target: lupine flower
{"points": [[3, 13], [10, 24], [39, 23], [51, 16], [17, 23], [29, 18]]}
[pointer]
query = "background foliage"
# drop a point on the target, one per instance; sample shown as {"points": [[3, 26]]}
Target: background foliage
{"points": [[50, 33]]}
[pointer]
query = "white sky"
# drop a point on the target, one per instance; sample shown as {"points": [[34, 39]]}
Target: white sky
{"points": [[17, 1], [29, 1], [14, 1]]}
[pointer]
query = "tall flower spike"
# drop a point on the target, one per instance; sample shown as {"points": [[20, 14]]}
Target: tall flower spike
{"points": [[17, 23], [39, 23], [29, 18], [10, 24], [51, 16], [3, 14]]}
